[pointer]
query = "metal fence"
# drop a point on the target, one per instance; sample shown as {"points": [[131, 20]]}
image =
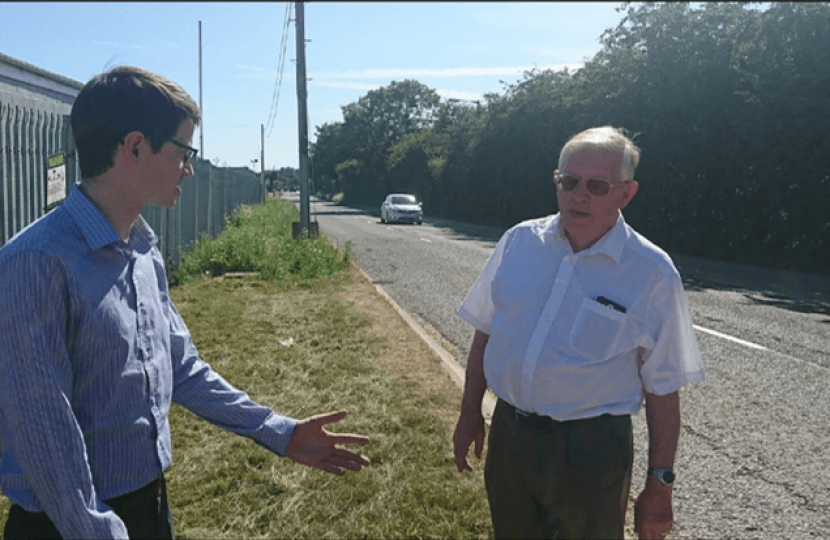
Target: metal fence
{"points": [[34, 124], [207, 197]]}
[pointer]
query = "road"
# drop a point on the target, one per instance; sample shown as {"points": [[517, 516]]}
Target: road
{"points": [[753, 454]]}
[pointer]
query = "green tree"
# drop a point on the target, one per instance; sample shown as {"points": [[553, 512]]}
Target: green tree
{"points": [[329, 149], [374, 123], [783, 61], [728, 102]]}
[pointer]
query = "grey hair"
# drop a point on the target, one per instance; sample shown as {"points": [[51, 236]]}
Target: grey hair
{"points": [[607, 138]]}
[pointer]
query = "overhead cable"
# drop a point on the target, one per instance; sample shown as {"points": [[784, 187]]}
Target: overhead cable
{"points": [[272, 115]]}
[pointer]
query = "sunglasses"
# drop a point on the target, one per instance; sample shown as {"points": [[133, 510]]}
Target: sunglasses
{"points": [[596, 186], [190, 155]]}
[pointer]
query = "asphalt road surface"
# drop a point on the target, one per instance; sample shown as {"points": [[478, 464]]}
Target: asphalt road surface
{"points": [[755, 446]]}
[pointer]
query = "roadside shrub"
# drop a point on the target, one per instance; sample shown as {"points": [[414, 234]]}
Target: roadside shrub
{"points": [[258, 239]]}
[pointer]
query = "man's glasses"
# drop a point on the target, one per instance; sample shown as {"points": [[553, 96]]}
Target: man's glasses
{"points": [[190, 155], [596, 186]]}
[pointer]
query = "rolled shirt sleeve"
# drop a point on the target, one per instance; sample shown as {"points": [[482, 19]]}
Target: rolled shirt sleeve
{"points": [[671, 357], [478, 309], [36, 416]]}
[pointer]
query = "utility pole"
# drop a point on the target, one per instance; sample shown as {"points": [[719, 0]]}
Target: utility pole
{"points": [[209, 214], [262, 170], [302, 117], [201, 107]]}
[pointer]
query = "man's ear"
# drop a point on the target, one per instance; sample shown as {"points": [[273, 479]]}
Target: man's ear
{"points": [[134, 144], [628, 193]]}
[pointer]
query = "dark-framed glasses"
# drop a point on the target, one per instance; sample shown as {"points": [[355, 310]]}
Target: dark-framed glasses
{"points": [[190, 153], [596, 186]]}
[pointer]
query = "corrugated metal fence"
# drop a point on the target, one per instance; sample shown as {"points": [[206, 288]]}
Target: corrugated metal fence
{"points": [[34, 124], [207, 197]]}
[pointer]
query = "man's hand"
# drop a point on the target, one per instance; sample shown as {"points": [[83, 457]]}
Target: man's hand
{"points": [[653, 517], [311, 445], [470, 429]]}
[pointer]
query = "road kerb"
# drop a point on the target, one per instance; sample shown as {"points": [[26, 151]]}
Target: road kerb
{"points": [[455, 371]]}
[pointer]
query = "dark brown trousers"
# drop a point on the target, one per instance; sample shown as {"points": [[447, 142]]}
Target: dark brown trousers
{"points": [[549, 479], [145, 512]]}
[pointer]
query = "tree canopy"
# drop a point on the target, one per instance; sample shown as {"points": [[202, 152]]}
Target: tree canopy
{"points": [[728, 102]]}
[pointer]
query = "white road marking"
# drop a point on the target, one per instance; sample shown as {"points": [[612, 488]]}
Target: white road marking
{"points": [[427, 241], [730, 338]]}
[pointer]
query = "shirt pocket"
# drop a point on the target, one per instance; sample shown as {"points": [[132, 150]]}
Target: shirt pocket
{"points": [[595, 330]]}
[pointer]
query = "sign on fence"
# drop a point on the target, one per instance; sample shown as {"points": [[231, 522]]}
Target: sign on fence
{"points": [[55, 181]]}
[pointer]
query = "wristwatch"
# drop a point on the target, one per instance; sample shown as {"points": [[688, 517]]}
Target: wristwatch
{"points": [[664, 474]]}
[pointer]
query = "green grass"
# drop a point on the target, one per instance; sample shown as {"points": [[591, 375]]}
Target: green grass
{"points": [[258, 239], [224, 486]]}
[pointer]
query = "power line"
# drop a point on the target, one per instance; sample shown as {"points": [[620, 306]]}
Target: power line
{"points": [[272, 115]]}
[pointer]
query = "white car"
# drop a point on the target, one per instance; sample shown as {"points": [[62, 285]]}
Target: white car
{"points": [[400, 207]]}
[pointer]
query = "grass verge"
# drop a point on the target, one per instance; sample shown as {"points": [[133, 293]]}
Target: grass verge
{"points": [[349, 351]]}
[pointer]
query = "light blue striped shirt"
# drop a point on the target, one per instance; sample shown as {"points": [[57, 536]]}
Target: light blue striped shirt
{"points": [[92, 352]]}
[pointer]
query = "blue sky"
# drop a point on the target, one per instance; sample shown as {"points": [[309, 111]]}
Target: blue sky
{"points": [[462, 50]]}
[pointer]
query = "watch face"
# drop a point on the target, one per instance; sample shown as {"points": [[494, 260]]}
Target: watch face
{"points": [[666, 476]]}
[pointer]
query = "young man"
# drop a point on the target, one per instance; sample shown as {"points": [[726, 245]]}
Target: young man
{"points": [[94, 351], [577, 318]]}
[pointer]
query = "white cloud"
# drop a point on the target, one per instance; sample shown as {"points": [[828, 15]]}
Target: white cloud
{"points": [[120, 45], [255, 72], [342, 79], [343, 84], [457, 72], [459, 94], [255, 69]]}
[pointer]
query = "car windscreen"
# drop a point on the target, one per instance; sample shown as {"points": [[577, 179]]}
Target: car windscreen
{"points": [[403, 200]]}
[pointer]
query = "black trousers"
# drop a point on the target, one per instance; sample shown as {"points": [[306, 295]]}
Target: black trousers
{"points": [[549, 479], [145, 512]]}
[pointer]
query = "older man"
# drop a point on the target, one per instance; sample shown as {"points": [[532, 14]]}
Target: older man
{"points": [[577, 318]]}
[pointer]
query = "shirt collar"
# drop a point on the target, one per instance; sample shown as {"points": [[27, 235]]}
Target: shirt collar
{"points": [[610, 244], [96, 228]]}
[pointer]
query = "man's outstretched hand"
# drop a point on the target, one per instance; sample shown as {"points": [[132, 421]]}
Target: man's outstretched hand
{"points": [[312, 445]]}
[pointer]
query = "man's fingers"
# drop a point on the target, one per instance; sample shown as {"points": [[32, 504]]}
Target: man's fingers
{"points": [[649, 533], [348, 438], [344, 456], [648, 528], [354, 463], [331, 468], [461, 450], [329, 418]]}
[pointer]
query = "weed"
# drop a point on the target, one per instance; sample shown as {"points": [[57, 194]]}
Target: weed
{"points": [[258, 239]]}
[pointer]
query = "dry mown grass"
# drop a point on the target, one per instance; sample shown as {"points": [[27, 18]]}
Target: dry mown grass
{"points": [[351, 350]]}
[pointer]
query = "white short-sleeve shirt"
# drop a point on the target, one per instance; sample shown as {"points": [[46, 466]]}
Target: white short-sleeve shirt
{"points": [[565, 328]]}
